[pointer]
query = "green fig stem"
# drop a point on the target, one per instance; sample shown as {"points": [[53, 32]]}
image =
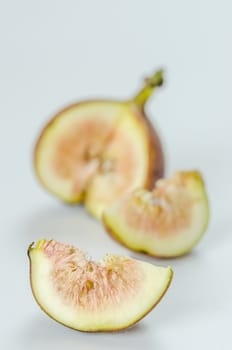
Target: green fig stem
{"points": [[151, 84]]}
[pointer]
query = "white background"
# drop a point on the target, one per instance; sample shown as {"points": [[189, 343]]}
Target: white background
{"points": [[56, 52]]}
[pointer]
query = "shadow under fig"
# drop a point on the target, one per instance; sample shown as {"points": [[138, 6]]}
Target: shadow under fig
{"points": [[44, 332]]}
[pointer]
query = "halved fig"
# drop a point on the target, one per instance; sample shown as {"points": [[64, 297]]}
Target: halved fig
{"points": [[89, 296], [165, 222], [92, 146]]}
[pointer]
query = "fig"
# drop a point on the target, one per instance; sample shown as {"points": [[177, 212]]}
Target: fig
{"points": [[88, 296], [97, 145], [165, 222]]}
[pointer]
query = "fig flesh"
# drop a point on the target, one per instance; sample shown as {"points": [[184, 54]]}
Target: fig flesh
{"points": [[165, 222], [92, 146], [89, 296]]}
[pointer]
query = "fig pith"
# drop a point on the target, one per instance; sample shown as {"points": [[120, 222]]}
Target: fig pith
{"points": [[96, 151], [89, 296], [165, 222]]}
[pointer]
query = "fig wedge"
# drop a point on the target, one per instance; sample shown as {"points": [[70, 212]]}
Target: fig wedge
{"points": [[165, 222], [89, 296], [92, 146]]}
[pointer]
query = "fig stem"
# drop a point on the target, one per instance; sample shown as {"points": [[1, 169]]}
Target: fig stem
{"points": [[151, 83]]}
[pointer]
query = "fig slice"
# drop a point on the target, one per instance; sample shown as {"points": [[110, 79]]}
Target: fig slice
{"points": [[165, 222], [95, 145], [88, 296]]}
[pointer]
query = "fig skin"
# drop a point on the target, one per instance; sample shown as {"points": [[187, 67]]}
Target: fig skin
{"points": [[113, 329], [155, 167]]}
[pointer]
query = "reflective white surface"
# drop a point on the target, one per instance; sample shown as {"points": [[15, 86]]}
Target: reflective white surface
{"points": [[55, 52]]}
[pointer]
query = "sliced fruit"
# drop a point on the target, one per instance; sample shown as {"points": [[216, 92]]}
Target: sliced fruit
{"points": [[89, 296], [92, 144], [126, 166], [166, 222]]}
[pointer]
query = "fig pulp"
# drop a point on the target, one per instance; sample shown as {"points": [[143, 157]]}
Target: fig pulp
{"points": [[89, 296], [96, 151], [165, 222]]}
